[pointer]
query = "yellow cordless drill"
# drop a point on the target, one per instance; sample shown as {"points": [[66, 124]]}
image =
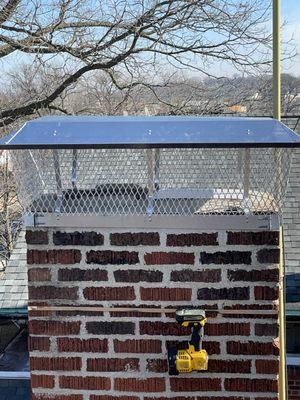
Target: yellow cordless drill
{"points": [[193, 358]]}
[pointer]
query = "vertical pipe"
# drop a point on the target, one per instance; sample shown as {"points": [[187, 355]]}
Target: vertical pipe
{"points": [[149, 156], [58, 202], [277, 115], [156, 168], [74, 169], [282, 332], [276, 61], [247, 169]]}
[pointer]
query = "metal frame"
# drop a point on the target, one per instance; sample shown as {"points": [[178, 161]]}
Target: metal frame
{"points": [[15, 375], [152, 182], [209, 222]]}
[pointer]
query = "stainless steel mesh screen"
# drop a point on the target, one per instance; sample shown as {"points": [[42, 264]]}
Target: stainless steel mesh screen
{"points": [[154, 181]]}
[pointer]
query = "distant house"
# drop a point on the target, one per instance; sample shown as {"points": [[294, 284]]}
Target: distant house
{"points": [[237, 109]]}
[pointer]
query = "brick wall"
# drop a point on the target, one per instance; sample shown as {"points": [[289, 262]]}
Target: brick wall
{"points": [[293, 372], [78, 355]]}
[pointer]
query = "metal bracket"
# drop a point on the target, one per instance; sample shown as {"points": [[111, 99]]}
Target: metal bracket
{"points": [[74, 169], [149, 157], [58, 201], [28, 219]]}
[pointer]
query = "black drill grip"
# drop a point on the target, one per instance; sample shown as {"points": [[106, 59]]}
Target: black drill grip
{"points": [[196, 337]]}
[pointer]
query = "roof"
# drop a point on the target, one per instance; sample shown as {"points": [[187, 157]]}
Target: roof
{"points": [[148, 132], [15, 358], [14, 282], [15, 389], [292, 282]]}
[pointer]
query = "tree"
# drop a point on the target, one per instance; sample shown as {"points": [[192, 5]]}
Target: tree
{"points": [[9, 210], [130, 41]]}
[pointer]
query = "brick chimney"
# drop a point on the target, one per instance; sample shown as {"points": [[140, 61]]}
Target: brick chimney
{"points": [[145, 213], [86, 355]]}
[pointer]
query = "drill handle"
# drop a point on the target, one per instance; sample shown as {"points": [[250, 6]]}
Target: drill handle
{"points": [[197, 335]]}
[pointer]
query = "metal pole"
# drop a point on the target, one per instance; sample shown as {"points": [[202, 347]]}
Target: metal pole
{"points": [[277, 115], [282, 333], [276, 61]]}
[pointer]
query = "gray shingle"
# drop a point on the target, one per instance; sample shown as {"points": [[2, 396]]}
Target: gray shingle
{"points": [[13, 283]]}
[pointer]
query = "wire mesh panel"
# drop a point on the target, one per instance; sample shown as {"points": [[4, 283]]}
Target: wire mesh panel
{"points": [[173, 181]]}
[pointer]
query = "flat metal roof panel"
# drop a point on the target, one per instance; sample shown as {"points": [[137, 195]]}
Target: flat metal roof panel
{"points": [[106, 132]]}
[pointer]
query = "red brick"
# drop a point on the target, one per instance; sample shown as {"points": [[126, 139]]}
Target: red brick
{"points": [[135, 314], [225, 398], [233, 293], [76, 345], [140, 385], [36, 237], [171, 398], [272, 398], [42, 381], [227, 328], [211, 347], [229, 366], [192, 239], [78, 239], [105, 257], [251, 385], [138, 275], [267, 366], [39, 312], [195, 384], [38, 343], [190, 275], [268, 256], [270, 238], [84, 383], [53, 256], [226, 257], [163, 328], [82, 275], [112, 364], [254, 275], [109, 293], [37, 396], [135, 239], [110, 327], [166, 294], [39, 327], [159, 258], [108, 397], [55, 363], [137, 346], [157, 365], [77, 312], [39, 274], [265, 293], [53, 292], [266, 330], [252, 348], [259, 308]]}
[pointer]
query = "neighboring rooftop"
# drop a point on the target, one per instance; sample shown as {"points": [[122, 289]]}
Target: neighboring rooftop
{"points": [[15, 389], [13, 283]]}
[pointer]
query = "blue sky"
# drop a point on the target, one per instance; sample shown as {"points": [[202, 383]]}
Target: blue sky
{"points": [[291, 16]]}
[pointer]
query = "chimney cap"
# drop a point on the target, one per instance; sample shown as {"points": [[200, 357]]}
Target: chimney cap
{"points": [[54, 132]]}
